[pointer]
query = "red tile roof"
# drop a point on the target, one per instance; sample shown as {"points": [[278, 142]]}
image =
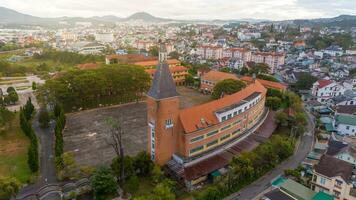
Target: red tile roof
{"points": [[266, 83], [155, 62], [322, 83], [191, 117], [171, 69], [216, 76]]}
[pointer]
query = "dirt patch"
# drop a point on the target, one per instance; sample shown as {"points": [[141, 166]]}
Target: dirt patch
{"points": [[12, 147]]}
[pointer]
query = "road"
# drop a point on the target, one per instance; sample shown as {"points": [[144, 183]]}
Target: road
{"points": [[253, 190], [47, 172]]}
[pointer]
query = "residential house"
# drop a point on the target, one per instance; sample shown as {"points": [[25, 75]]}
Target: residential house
{"points": [[334, 176], [345, 120], [342, 151], [325, 89], [334, 50], [291, 190]]}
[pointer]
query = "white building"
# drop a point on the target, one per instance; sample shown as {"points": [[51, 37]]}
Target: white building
{"points": [[345, 120], [324, 90], [104, 37], [334, 51], [88, 48]]}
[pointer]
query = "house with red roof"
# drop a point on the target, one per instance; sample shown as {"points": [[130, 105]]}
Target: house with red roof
{"points": [[325, 89]]}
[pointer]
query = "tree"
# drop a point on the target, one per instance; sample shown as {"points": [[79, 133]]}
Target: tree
{"points": [[43, 118], [10, 89], [274, 93], [211, 193], [267, 77], [29, 109], [9, 187], [33, 161], [163, 191], [13, 97], [34, 86], [156, 174], [174, 55], [243, 70], [273, 102], [114, 139], [281, 118], [259, 68], [133, 184], [82, 89], [226, 87], [103, 183], [128, 166], [189, 80], [143, 164], [153, 51], [305, 81], [57, 110]]}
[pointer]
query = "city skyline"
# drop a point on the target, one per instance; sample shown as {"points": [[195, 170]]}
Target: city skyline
{"points": [[188, 9]]}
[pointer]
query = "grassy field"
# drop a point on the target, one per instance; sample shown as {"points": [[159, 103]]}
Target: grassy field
{"points": [[13, 152]]}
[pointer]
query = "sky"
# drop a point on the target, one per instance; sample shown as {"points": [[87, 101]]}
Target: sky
{"points": [[187, 9]]}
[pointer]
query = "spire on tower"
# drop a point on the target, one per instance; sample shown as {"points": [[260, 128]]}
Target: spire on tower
{"points": [[163, 85]]}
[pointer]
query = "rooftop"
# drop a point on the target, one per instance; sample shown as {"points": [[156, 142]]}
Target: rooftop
{"points": [[297, 190], [191, 118], [332, 167], [216, 76], [346, 119], [347, 109], [266, 83], [155, 62]]}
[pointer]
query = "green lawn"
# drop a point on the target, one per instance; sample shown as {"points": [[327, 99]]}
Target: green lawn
{"points": [[13, 152]]}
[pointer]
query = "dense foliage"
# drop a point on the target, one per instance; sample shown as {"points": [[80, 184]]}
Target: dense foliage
{"points": [[305, 81], [58, 132], [321, 42], [249, 166], [81, 89], [226, 87], [26, 113], [65, 57], [103, 183], [8, 187]]}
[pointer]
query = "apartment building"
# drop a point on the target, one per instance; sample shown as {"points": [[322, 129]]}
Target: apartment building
{"points": [[210, 52], [272, 59], [238, 53]]}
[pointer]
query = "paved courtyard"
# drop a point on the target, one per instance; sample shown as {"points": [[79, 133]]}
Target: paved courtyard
{"points": [[84, 132]]}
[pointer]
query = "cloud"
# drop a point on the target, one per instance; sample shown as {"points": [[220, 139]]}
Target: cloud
{"points": [[187, 9]]}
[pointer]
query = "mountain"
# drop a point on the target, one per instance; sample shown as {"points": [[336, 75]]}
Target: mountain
{"points": [[345, 21], [143, 16], [8, 16], [12, 16]]}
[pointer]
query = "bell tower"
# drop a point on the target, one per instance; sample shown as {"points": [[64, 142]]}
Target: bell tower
{"points": [[162, 112]]}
